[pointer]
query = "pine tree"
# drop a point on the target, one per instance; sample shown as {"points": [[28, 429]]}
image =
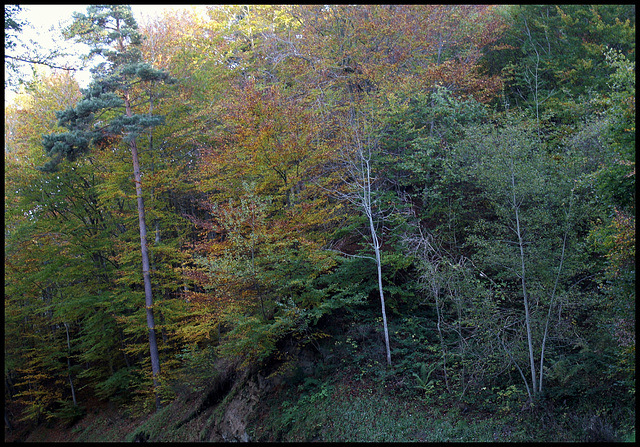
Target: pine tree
{"points": [[107, 113]]}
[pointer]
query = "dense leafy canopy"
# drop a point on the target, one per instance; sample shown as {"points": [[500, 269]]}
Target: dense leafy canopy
{"points": [[496, 146]]}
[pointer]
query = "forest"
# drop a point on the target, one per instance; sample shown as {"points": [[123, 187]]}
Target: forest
{"points": [[349, 222]]}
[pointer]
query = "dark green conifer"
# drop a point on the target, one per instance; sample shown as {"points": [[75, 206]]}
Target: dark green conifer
{"points": [[106, 112]]}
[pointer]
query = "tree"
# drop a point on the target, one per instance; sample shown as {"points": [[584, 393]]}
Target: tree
{"points": [[537, 210], [356, 165], [615, 183], [553, 57], [262, 249], [17, 53], [111, 31], [11, 25], [54, 253]]}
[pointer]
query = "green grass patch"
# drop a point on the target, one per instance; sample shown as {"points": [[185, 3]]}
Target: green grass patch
{"points": [[340, 412]]}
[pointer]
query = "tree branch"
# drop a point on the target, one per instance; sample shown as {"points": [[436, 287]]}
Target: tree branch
{"points": [[40, 62]]}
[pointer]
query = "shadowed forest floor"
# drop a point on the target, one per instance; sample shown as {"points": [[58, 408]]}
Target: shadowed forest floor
{"points": [[335, 409]]}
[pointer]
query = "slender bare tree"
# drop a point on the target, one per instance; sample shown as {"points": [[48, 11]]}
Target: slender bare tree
{"points": [[357, 175]]}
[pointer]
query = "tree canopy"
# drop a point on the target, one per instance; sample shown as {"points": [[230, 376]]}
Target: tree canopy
{"points": [[282, 171]]}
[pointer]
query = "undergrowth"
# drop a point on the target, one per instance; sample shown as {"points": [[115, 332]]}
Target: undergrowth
{"points": [[351, 396], [354, 397]]}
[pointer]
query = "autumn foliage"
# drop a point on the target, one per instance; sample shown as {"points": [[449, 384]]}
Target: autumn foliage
{"points": [[501, 199]]}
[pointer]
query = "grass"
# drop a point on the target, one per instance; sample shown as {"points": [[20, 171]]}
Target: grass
{"points": [[356, 401], [346, 406], [365, 413], [339, 408]]}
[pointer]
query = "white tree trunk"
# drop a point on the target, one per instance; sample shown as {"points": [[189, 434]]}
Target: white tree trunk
{"points": [[527, 312], [364, 162], [376, 247]]}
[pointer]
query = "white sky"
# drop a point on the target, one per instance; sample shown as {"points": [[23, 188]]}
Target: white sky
{"points": [[42, 18]]}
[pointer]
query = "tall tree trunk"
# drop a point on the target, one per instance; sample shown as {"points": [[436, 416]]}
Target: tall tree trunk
{"points": [[73, 390], [527, 311], [553, 293], [358, 165], [367, 205], [376, 248], [153, 344]]}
